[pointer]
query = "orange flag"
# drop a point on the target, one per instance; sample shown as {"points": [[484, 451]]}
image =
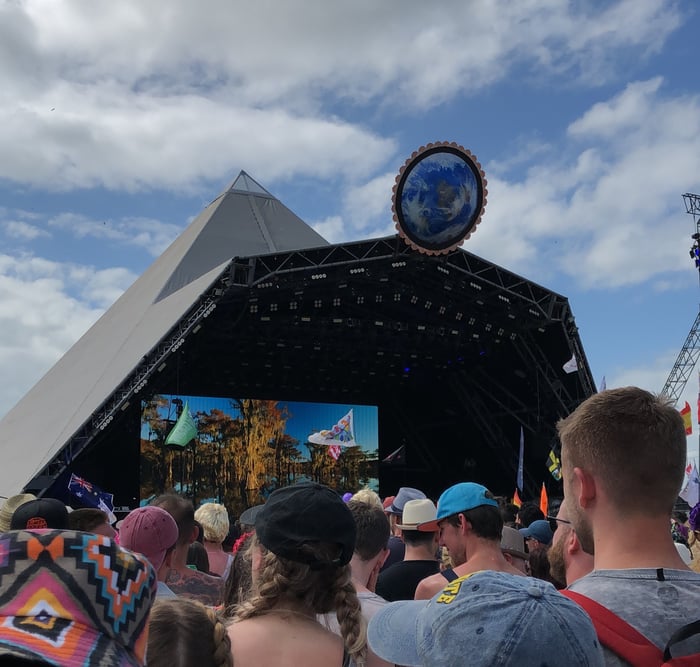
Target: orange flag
{"points": [[516, 499], [544, 500], [687, 418]]}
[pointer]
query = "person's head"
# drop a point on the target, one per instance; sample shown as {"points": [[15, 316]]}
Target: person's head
{"points": [[214, 521], [40, 513], [538, 535], [394, 509], [514, 549], [372, 529], [184, 632], [567, 559], [150, 531], [182, 511], [367, 496], [304, 541], [617, 446], [74, 599], [247, 519], [91, 520], [509, 512], [465, 512], [527, 513], [9, 506], [486, 619], [415, 513], [680, 516]]}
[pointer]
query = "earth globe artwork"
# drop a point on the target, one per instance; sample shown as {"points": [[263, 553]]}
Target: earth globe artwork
{"points": [[439, 197]]}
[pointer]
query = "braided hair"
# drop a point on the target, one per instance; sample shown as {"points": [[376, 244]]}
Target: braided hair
{"points": [[322, 590]]}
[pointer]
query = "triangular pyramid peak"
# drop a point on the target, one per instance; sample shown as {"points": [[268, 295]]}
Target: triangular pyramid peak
{"points": [[246, 183], [244, 221]]}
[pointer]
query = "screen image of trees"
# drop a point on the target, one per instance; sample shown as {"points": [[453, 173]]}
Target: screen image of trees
{"points": [[246, 448]]}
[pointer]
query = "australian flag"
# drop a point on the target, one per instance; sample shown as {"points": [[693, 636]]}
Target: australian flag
{"points": [[90, 495]]}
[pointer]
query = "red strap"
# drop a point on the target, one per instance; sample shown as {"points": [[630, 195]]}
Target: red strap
{"points": [[618, 635]]}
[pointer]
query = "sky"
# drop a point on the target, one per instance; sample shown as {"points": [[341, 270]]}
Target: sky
{"points": [[120, 121], [302, 418]]}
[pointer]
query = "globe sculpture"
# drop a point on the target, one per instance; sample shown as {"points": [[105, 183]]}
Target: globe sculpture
{"points": [[439, 197]]}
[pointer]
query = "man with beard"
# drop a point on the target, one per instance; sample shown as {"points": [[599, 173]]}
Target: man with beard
{"points": [[567, 559], [623, 460]]}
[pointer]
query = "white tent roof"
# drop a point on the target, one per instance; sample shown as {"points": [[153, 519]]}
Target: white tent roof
{"points": [[245, 220]]}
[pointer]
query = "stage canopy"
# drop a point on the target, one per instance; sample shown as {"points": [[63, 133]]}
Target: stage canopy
{"points": [[457, 353]]}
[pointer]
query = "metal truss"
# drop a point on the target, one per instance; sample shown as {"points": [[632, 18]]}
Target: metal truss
{"points": [[152, 363], [467, 271], [373, 261], [687, 358]]}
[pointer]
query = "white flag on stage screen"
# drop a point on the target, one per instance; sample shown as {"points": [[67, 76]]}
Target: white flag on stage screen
{"points": [[342, 434]]}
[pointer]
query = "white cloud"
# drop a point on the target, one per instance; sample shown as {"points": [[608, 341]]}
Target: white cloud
{"points": [[94, 95], [45, 307], [19, 229], [152, 235]]}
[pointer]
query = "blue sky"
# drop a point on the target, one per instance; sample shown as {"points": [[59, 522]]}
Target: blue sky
{"points": [[303, 419], [120, 121]]}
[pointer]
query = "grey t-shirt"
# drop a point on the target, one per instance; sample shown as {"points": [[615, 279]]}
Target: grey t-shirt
{"points": [[655, 602], [371, 603]]}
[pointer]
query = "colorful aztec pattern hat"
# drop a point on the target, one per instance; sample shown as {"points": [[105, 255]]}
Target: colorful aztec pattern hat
{"points": [[73, 598]]}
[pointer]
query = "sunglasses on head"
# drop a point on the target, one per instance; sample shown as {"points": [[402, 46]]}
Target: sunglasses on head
{"points": [[554, 521]]}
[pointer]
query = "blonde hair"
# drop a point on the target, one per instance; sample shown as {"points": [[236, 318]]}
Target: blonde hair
{"points": [[634, 442], [369, 497], [214, 521], [320, 591], [184, 632]]}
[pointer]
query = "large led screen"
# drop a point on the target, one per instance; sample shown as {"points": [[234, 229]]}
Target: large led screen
{"points": [[237, 451]]}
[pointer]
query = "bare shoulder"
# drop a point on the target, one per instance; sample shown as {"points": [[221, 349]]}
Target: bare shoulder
{"points": [[429, 586], [296, 642]]}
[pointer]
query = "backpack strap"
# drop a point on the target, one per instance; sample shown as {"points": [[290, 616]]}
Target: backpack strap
{"points": [[618, 635], [679, 635], [449, 574]]}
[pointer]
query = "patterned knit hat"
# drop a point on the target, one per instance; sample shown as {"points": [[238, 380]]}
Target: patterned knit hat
{"points": [[73, 599]]}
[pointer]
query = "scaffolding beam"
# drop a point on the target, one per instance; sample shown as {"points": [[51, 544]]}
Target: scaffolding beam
{"points": [[684, 365]]}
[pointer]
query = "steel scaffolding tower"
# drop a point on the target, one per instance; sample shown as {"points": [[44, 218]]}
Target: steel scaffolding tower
{"points": [[688, 356]]}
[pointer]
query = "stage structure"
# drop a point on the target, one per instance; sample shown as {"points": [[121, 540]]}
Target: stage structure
{"points": [[455, 352]]}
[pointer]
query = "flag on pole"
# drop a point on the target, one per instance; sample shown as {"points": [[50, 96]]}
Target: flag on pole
{"points": [[691, 491], [516, 499], [92, 496], [184, 430], [571, 366], [554, 465], [397, 457], [335, 451], [687, 418], [544, 500], [519, 478], [342, 434]]}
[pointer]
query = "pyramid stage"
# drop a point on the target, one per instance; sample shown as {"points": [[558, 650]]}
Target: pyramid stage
{"points": [[456, 353]]}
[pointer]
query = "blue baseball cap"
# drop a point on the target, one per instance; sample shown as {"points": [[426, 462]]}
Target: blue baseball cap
{"points": [[540, 530], [459, 498], [490, 619]]}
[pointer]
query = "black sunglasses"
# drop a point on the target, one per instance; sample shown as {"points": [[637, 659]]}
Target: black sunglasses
{"points": [[554, 520]]}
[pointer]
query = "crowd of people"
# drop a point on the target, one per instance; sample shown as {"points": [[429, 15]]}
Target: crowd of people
{"points": [[313, 578]]}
